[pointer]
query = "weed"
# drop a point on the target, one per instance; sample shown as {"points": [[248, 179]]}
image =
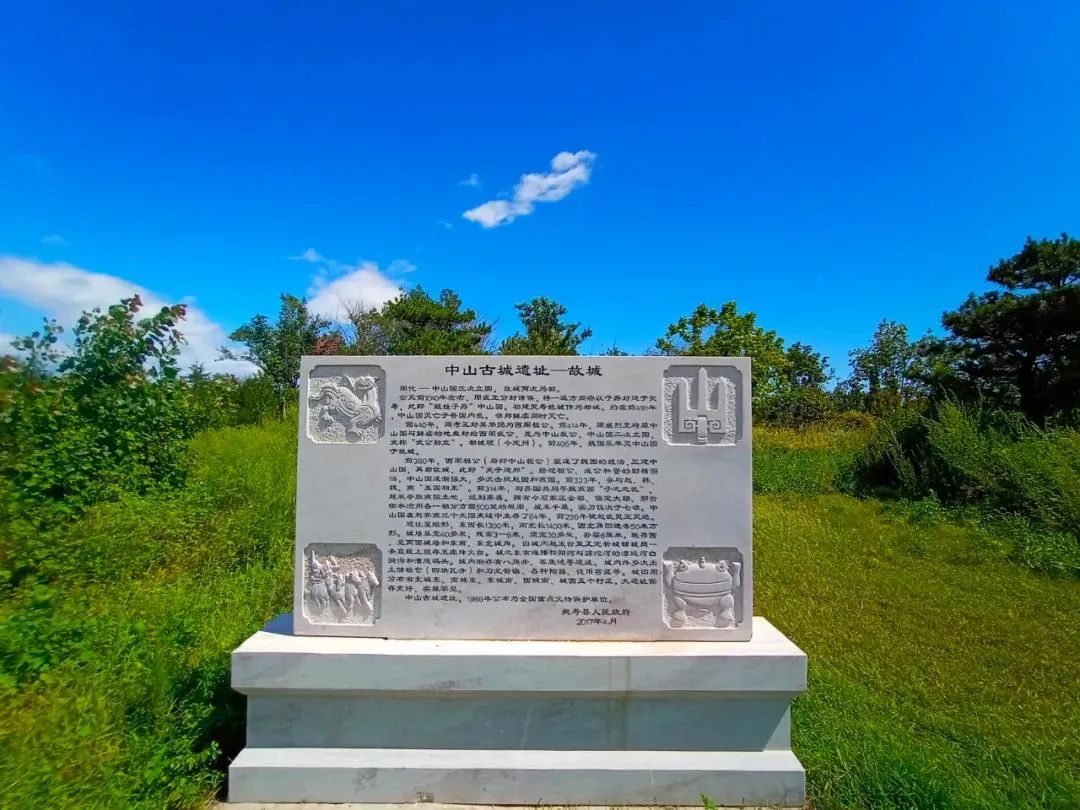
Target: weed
{"points": [[114, 666]]}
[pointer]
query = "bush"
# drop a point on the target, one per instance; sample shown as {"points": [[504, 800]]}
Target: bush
{"points": [[809, 461], [114, 661], [997, 461], [795, 407], [106, 417], [221, 400], [1040, 549], [858, 421]]}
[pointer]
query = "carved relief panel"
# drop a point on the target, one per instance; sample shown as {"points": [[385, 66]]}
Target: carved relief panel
{"points": [[701, 405], [346, 404], [342, 583], [702, 587]]}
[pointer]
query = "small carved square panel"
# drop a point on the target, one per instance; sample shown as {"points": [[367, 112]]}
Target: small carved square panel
{"points": [[701, 405], [342, 583], [346, 404], [702, 587]]}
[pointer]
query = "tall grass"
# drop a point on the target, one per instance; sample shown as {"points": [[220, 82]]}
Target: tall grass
{"points": [[810, 461], [114, 664], [1005, 466]]}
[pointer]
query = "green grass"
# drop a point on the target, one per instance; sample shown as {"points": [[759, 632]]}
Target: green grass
{"points": [[809, 461], [942, 674], [992, 462], [114, 689]]}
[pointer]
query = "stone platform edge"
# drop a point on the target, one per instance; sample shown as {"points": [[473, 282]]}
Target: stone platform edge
{"points": [[507, 723], [633, 778], [275, 660], [445, 806]]}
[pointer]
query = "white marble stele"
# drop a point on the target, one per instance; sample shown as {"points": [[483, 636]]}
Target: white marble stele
{"points": [[339, 719], [538, 498]]}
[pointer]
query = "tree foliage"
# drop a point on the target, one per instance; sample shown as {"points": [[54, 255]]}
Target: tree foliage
{"points": [[105, 416], [788, 384], [1017, 346], [884, 374], [545, 330], [364, 334], [725, 333], [801, 398], [806, 368], [416, 323], [276, 348], [412, 323]]}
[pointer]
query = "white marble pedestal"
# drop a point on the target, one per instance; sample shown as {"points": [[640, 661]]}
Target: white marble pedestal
{"points": [[518, 722]]}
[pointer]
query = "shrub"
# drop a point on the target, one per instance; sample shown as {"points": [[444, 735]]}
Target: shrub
{"points": [[997, 461], [108, 415], [105, 417], [808, 461], [1040, 549], [795, 407], [114, 661], [858, 421]]}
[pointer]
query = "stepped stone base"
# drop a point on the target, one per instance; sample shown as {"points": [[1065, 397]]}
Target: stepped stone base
{"points": [[518, 723]]}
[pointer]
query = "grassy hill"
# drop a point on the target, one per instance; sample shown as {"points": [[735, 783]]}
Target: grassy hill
{"points": [[942, 674]]}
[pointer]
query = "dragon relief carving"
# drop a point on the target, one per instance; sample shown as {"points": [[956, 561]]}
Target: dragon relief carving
{"points": [[345, 409]]}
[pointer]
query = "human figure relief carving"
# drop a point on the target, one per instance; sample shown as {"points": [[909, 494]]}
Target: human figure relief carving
{"points": [[701, 591], [700, 406], [342, 588], [344, 407]]}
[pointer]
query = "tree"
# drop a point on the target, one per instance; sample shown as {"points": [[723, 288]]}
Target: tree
{"points": [[545, 331], [416, 323], [801, 399], [1018, 346], [113, 348], [213, 400], [276, 348], [726, 333], [365, 334], [104, 416], [38, 353], [883, 374], [806, 368]]}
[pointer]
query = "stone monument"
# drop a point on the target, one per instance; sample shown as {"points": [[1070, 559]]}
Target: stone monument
{"points": [[521, 580]]}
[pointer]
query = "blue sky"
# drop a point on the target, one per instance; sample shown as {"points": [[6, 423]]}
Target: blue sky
{"points": [[825, 165]]}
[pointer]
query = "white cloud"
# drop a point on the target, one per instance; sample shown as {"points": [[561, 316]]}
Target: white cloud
{"points": [[472, 181], [338, 286], [400, 266], [494, 212], [365, 285], [449, 226], [309, 255], [64, 291], [54, 239], [312, 256], [568, 171]]}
